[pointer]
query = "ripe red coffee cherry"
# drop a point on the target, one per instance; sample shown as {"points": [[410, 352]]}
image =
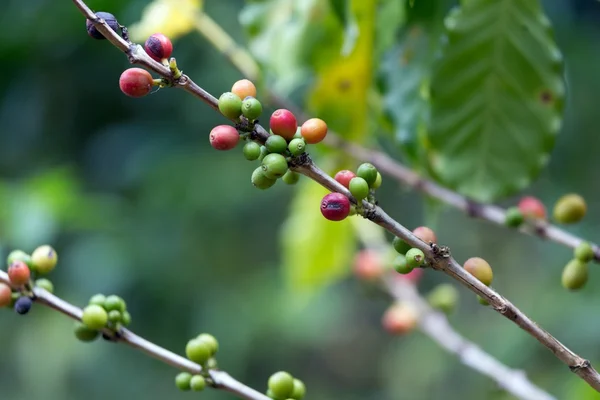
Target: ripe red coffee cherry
{"points": [[425, 234], [5, 295], [532, 207], [224, 137], [110, 19], [18, 273], [283, 123], [136, 82], [314, 130], [244, 88], [344, 177], [158, 47], [368, 265], [399, 319], [480, 269], [335, 206]]}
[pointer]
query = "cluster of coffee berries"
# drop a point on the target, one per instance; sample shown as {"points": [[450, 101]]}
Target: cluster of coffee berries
{"points": [[443, 297], [283, 386], [410, 258], [102, 312], [201, 350], [481, 270], [22, 271], [568, 209], [362, 186], [400, 319]]}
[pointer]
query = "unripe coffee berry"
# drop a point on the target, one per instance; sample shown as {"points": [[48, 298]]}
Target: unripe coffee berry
{"points": [[314, 130], [368, 265], [23, 305], [45, 284], [344, 177], [211, 342], [514, 217], [480, 269], [400, 245], [110, 19], [19, 255], [400, 265], [281, 384], [532, 208], [297, 147], [19, 273], [584, 252], [230, 105], [114, 302], [251, 108], [5, 295], [136, 82], [399, 319], [115, 316], [94, 317], [415, 258], [44, 259], [299, 390], [183, 381], [569, 209], [244, 88], [276, 144], [425, 234], [291, 177], [274, 165], [197, 383], [482, 301], [359, 188], [84, 333], [126, 318], [283, 123], [575, 275], [98, 299], [368, 172], [199, 351], [377, 182], [260, 181], [443, 297], [224, 137], [251, 151], [158, 47], [335, 206]]}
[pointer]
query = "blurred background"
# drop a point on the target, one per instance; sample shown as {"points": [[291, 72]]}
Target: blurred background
{"points": [[137, 203]]}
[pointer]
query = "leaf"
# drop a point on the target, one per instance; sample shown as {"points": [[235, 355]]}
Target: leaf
{"points": [[316, 252], [343, 11], [496, 96], [173, 18]]}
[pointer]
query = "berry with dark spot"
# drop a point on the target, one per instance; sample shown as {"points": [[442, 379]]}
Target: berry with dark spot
{"points": [[44, 259], [224, 137], [23, 305], [136, 82], [335, 206], [110, 19], [158, 47]]}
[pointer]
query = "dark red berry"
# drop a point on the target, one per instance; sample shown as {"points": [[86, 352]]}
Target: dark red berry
{"points": [[344, 177], [23, 305], [158, 46], [18, 273], [110, 20], [335, 206], [283, 123], [224, 137], [136, 82]]}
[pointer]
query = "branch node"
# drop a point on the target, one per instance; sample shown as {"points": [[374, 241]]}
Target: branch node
{"points": [[582, 365]]}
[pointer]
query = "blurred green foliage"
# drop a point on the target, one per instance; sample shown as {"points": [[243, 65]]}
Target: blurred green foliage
{"points": [[137, 203]]}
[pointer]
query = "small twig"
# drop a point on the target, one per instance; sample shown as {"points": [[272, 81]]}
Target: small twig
{"points": [[222, 380], [448, 265]]}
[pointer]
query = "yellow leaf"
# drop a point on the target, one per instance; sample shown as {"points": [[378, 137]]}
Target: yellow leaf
{"points": [[173, 18]]}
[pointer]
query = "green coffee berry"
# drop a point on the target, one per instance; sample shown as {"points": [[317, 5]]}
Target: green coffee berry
{"points": [[584, 252], [183, 381], [281, 385], [400, 265], [114, 302], [514, 217], [400, 245], [270, 394], [377, 182], [443, 297], [126, 318], [45, 284], [199, 351], [251, 151], [197, 383], [569, 209], [359, 188], [94, 317], [482, 301], [230, 105], [251, 108], [276, 144], [274, 166], [19, 255], [211, 363], [368, 172], [263, 153], [297, 146], [260, 181], [291, 177], [211, 341], [84, 333], [415, 258], [98, 299], [299, 390], [44, 259], [575, 275], [115, 316]]}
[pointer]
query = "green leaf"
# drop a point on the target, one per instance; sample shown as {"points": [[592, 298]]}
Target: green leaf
{"points": [[342, 9], [316, 252], [497, 95]]}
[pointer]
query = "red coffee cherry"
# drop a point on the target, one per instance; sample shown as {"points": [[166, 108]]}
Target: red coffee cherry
{"points": [[224, 137], [18, 273], [399, 319], [136, 82], [283, 123], [158, 47], [5, 295], [532, 207], [335, 206], [368, 265], [344, 177]]}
